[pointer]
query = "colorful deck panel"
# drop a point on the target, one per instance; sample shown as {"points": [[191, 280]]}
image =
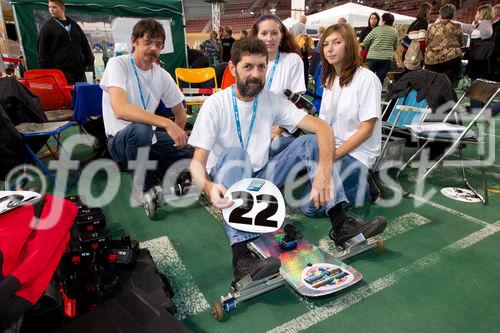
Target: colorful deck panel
{"points": [[308, 269]]}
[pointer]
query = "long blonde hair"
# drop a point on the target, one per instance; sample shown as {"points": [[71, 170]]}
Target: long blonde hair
{"points": [[485, 12]]}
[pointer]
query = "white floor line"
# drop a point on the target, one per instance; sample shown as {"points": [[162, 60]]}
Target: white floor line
{"points": [[399, 226], [498, 136], [444, 208], [188, 298], [342, 303]]}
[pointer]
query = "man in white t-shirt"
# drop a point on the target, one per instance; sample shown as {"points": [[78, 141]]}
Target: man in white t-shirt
{"points": [[220, 142], [133, 86]]}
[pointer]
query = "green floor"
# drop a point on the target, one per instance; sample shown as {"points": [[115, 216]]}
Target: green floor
{"points": [[440, 270]]}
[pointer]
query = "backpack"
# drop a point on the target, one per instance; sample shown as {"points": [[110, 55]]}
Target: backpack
{"points": [[414, 56]]}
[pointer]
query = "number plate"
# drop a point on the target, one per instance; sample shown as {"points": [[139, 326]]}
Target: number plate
{"points": [[258, 206]]}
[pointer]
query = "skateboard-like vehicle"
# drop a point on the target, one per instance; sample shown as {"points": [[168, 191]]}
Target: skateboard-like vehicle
{"points": [[157, 197], [309, 270]]}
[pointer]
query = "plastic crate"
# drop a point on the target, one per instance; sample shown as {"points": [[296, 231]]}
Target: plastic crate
{"points": [[393, 154]]}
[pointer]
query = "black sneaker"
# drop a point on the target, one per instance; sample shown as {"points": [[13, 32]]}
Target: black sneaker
{"points": [[258, 268], [351, 227]]}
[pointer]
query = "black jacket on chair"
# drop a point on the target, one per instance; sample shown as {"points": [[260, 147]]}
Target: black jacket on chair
{"points": [[17, 105], [436, 88]]}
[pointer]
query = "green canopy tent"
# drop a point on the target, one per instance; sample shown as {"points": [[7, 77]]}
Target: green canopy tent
{"points": [[24, 12]]}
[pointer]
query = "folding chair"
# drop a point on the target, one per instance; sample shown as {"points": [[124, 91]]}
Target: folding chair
{"points": [[481, 90], [87, 102], [192, 76], [54, 101], [228, 78], [404, 111], [54, 129], [58, 75]]}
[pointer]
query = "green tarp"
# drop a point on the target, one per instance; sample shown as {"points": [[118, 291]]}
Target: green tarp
{"points": [[161, 9]]}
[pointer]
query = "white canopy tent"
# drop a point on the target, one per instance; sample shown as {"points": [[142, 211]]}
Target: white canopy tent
{"points": [[355, 14], [289, 22]]}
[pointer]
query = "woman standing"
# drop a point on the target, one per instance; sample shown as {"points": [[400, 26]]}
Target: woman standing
{"points": [[381, 43], [444, 43], [351, 106], [373, 22], [418, 28], [480, 31], [285, 69]]}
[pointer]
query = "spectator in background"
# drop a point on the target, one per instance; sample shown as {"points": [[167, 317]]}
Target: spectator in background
{"points": [[197, 58], [243, 33], [315, 57], [479, 31], [63, 45], [212, 49], [381, 43], [342, 20], [444, 43], [299, 28], [306, 44], [373, 22], [481, 46], [420, 26], [495, 59], [227, 41]]}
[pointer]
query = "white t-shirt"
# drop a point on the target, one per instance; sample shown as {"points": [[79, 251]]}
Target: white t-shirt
{"points": [[289, 74], [156, 84], [345, 108], [215, 126]]}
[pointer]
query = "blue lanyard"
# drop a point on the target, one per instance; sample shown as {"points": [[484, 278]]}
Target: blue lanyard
{"points": [[144, 105], [67, 29], [273, 71], [237, 117]]}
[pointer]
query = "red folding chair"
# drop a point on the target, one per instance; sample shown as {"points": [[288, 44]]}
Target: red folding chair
{"points": [[58, 76], [54, 101]]}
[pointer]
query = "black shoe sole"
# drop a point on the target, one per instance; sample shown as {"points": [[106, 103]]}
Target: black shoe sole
{"points": [[379, 223], [374, 227]]}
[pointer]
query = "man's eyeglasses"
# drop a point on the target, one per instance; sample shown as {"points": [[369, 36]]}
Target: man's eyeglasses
{"points": [[157, 43]]}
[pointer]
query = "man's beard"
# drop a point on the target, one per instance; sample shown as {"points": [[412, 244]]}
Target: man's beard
{"points": [[250, 88]]}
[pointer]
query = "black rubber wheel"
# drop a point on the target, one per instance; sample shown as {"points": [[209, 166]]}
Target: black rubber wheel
{"points": [[217, 310]]}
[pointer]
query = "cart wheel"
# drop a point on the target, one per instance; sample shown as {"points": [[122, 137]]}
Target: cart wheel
{"points": [[379, 248], [149, 205], [217, 311]]}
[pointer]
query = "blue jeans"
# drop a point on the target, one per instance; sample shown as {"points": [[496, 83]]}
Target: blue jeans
{"points": [[279, 144], [124, 145], [354, 175], [379, 67], [303, 151]]}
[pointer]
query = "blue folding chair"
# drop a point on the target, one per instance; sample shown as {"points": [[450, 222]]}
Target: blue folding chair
{"points": [[404, 111], [87, 102], [456, 135], [53, 129]]}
